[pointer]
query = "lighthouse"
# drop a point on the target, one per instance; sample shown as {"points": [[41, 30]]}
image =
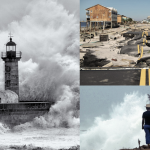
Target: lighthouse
{"points": [[11, 58]]}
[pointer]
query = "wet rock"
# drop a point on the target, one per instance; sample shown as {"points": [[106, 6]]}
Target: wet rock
{"points": [[72, 148], [144, 146]]}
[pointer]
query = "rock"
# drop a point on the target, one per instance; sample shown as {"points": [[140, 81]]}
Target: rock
{"points": [[144, 146]]}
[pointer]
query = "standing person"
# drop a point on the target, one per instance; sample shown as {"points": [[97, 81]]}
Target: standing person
{"points": [[146, 124]]}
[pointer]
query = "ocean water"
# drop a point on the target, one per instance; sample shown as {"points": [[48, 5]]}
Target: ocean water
{"points": [[52, 138], [83, 24]]}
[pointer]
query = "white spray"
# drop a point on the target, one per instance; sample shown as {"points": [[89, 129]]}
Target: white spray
{"points": [[48, 38], [121, 130]]}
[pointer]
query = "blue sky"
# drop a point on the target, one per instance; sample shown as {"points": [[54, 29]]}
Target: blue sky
{"points": [[138, 10]]}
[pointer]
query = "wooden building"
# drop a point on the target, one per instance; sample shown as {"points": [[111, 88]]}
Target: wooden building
{"points": [[119, 19], [99, 13]]}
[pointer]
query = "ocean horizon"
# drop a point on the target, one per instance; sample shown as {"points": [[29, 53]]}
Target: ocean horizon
{"points": [[83, 24]]}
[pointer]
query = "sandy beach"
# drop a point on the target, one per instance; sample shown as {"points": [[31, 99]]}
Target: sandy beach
{"points": [[110, 50]]}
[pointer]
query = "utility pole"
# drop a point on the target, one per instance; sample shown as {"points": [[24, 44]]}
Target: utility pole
{"points": [[103, 22]]}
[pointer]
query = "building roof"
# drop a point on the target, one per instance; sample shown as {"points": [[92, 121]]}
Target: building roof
{"points": [[96, 5], [111, 8], [11, 43]]}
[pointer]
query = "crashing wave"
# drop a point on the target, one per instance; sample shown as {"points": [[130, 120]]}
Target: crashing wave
{"points": [[8, 96]]}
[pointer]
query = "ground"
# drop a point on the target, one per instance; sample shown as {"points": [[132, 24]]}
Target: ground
{"points": [[111, 50]]}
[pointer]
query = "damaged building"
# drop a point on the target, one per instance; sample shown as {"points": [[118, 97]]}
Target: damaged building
{"points": [[98, 14]]}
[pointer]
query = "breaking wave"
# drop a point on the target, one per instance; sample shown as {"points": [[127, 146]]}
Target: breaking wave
{"points": [[8, 97], [49, 68], [121, 130]]}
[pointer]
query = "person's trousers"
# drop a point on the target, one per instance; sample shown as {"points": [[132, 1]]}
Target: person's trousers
{"points": [[147, 132]]}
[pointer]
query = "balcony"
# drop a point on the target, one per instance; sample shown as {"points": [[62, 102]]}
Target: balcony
{"points": [[11, 54], [88, 13]]}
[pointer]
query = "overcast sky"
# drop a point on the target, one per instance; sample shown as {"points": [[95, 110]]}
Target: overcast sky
{"points": [[12, 11], [37, 26], [138, 10]]}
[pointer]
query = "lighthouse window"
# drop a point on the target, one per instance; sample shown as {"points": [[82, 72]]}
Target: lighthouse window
{"points": [[11, 48]]}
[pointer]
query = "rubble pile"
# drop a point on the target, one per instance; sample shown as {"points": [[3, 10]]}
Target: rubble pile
{"points": [[118, 47]]}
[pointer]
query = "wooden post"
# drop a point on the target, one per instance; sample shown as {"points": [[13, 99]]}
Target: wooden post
{"points": [[80, 26], [90, 30], [86, 26], [90, 26], [103, 25]]}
